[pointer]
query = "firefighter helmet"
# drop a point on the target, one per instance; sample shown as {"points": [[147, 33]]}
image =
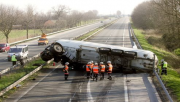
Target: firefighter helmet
{"points": [[66, 63], [101, 62], [109, 62]]}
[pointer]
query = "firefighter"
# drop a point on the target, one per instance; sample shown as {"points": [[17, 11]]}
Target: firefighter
{"points": [[65, 69], [91, 73], [13, 59], [95, 71], [163, 67], [109, 70], [102, 69], [88, 69]]}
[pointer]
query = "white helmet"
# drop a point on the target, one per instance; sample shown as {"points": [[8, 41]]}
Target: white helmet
{"points": [[89, 63], [101, 62], [162, 60], [66, 63], [109, 62], [95, 63]]}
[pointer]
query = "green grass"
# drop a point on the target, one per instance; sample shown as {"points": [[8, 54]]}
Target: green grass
{"points": [[16, 35], [172, 80], [91, 32], [20, 33], [88, 34], [9, 79]]}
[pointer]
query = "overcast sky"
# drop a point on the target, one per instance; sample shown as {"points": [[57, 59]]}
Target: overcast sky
{"points": [[103, 6]]}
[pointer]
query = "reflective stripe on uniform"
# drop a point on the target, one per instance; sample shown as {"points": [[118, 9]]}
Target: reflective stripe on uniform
{"points": [[165, 64], [66, 69], [91, 66], [95, 69], [102, 68], [87, 67], [13, 58], [110, 68]]}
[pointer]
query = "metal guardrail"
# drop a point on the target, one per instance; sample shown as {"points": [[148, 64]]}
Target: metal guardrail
{"points": [[10, 68], [154, 70], [97, 31], [93, 33], [136, 41], [37, 69], [22, 79], [21, 41], [14, 43]]}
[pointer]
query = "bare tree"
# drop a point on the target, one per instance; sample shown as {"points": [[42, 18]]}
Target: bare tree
{"points": [[162, 15], [28, 18], [60, 10], [8, 16]]}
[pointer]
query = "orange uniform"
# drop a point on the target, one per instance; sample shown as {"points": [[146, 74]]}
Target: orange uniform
{"points": [[102, 68], [88, 68], [110, 67], [95, 69], [66, 68]]}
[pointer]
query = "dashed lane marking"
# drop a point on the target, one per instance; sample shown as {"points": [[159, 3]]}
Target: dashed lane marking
{"points": [[34, 85], [125, 90]]}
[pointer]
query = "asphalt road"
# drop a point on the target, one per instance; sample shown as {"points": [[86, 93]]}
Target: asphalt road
{"points": [[116, 34], [34, 49], [50, 85]]}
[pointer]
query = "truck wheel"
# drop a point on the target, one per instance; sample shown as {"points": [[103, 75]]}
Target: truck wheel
{"points": [[56, 49]]}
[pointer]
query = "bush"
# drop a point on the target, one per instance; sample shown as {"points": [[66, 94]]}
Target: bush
{"points": [[177, 51]]}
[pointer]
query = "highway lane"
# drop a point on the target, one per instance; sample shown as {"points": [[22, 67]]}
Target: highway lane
{"points": [[117, 34], [51, 87], [34, 49]]}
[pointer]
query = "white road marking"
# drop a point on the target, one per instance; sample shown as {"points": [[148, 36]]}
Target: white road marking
{"points": [[125, 90], [123, 34], [89, 95], [16, 100], [108, 39]]}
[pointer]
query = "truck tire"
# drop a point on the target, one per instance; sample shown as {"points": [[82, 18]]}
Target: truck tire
{"points": [[56, 49]]}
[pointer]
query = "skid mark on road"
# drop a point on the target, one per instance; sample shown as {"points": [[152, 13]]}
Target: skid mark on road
{"points": [[103, 95]]}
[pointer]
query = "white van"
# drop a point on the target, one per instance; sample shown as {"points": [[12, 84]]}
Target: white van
{"points": [[21, 52]]}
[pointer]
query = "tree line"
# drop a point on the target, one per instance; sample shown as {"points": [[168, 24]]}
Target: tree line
{"points": [[60, 17], [163, 16]]}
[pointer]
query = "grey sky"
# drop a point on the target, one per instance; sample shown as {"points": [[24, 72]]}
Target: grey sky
{"points": [[103, 6]]}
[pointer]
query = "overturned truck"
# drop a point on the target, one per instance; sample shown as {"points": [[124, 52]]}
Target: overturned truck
{"points": [[78, 53]]}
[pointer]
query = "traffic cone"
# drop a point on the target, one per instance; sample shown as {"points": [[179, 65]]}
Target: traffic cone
{"points": [[54, 63]]}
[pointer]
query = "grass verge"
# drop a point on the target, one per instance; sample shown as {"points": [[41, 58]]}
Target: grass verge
{"points": [[88, 34], [172, 80], [16, 35], [92, 32], [12, 77]]}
